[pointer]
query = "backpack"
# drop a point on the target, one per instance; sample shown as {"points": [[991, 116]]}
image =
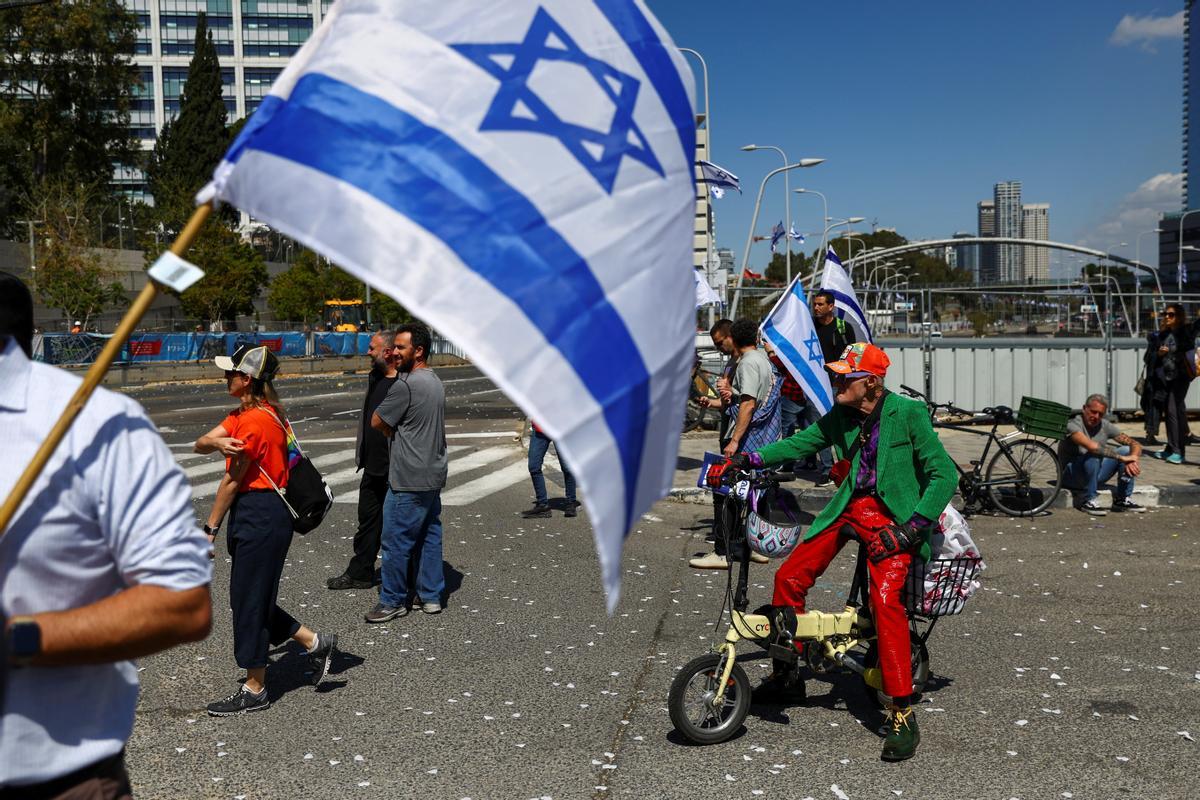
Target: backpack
{"points": [[307, 496]]}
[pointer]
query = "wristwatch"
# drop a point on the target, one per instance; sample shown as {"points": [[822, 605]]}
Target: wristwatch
{"points": [[210, 531], [24, 641]]}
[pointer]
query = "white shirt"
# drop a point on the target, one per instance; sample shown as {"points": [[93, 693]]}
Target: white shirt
{"points": [[111, 510]]}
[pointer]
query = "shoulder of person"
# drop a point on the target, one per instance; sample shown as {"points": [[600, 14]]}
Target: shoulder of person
{"points": [[904, 405]]}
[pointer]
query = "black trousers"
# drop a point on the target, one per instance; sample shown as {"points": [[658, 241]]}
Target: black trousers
{"points": [[371, 491], [1177, 425], [260, 532], [718, 506]]}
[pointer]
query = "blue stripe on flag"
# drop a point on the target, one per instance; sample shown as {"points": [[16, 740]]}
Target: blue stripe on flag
{"points": [[789, 352], [261, 116], [647, 48], [495, 230], [848, 300]]}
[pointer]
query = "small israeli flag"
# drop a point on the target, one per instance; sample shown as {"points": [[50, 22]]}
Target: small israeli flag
{"points": [[718, 178], [790, 330], [776, 235], [837, 282], [795, 235], [521, 176]]}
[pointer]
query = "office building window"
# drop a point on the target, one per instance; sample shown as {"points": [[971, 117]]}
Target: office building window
{"points": [[174, 79], [177, 25], [256, 84], [274, 35]]}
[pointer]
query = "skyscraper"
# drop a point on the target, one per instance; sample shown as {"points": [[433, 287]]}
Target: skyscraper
{"points": [[1035, 224], [254, 40], [986, 270], [968, 254], [1009, 257]]}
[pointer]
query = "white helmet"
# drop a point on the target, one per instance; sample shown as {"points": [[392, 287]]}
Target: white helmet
{"points": [[774, 524]]}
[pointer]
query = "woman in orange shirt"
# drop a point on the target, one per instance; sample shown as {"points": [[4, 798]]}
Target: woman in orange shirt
{"points": [[254, 440]]}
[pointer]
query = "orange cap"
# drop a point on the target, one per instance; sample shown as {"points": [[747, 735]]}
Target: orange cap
{"points": [[861, 358]]}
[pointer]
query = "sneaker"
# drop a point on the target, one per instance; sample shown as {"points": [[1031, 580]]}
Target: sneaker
{"points": [[1159, 454], [243, 701], [824, 480], [382, 613], [1174, 458], [572, 508], [1126, 504], [431, 608], [539, 511], [344, 581], [710, 561], [780, 689], [903, 736], [1151, 440], [321, 656], [759, 558], [1090, 507]]}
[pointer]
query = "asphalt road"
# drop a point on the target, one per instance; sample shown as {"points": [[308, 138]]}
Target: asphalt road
{"points": [[1073, 673]]}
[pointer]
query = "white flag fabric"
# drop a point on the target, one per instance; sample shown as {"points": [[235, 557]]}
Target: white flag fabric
{"points": [[789, 329], [795, 235], [836, 281], [705, 294], [520, 175]]}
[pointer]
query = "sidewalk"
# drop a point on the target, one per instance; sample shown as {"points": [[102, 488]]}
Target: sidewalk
{"points": [[1160, 484]]}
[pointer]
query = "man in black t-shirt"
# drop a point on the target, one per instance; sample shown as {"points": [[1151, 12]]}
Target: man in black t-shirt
{"points": [[834, 335], [371, 456]]}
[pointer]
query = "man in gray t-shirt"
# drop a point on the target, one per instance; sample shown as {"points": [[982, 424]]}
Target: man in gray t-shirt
{"points": [[1093, 452], [412, 416]]}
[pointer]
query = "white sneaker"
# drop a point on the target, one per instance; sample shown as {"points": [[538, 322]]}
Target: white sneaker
{"points": [[759, 558], [1093, 508], [710, 561]]}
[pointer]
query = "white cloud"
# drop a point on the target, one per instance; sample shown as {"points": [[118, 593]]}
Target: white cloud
{"points": [[1146, 31], [1137, 212]]}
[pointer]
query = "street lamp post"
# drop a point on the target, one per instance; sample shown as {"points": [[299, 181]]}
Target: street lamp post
{"points": [[787, 205], [825, 238], [1179, 264], [1137, 256], [737, 295], [708, 255]]}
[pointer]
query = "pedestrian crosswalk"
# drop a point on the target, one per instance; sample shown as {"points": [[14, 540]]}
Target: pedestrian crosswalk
{"points": [[477, 469]]}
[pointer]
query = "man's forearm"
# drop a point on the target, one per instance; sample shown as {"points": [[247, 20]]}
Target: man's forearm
{"points": [[745, 414], [136, 622]]}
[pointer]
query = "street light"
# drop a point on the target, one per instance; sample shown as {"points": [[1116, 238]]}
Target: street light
{"points": [[737, 295], [1137, 285], [787, 197], [708, 259], [1179, 264]]}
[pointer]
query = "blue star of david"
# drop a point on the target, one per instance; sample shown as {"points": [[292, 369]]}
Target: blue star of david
{"points": [[546, 40], [814, 347]]}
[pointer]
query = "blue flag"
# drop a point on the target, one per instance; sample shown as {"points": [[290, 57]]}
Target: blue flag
{"points": [[790, 331], [777, 233], [521, 177]]}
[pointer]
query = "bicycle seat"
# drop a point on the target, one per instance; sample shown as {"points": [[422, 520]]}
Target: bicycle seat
{"points": [[1002, 414]]}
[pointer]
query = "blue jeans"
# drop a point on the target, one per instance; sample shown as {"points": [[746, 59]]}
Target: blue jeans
{"points": [[1086, 472], [412, 521], [825, 457], [539, 444], [789, 415]]}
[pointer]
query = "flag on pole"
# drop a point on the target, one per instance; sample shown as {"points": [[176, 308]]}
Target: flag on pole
{"points": [[836, 281], [795, 235], [540, 213], [751, 276], [718, 178], [705, 294], [776, 235], [790, 331]]}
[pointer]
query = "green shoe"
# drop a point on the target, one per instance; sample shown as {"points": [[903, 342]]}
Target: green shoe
{"points": [[903, 736]]}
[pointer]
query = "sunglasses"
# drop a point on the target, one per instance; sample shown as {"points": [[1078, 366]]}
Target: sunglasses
{"points": [[846, 380], [1169, 314], [230, 373]]}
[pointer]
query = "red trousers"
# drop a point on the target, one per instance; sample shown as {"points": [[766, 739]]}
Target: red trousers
{"points": [[867, 515]]}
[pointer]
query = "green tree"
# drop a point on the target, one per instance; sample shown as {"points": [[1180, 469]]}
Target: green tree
{"points": [[190, 146], [234, 274], [72, 275], [66, 82], [299, 293], [386, 312]]}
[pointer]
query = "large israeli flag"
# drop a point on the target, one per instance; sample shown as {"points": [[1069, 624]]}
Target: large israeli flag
{"points": [[836, 281], [520, 176], [789, 329]]}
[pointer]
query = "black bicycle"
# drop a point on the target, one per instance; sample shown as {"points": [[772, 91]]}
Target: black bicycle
{"points": [[1021, 478]]}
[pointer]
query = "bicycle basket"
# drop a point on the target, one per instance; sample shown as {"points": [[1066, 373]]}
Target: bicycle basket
{"points": [[941, 586], [774, 523], [1043, 418]]}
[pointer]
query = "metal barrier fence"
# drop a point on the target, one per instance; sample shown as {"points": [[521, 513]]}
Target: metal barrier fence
{"points": [[82, 348]]}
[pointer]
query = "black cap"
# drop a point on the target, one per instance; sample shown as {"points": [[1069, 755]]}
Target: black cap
{"points": [[16, 311]]}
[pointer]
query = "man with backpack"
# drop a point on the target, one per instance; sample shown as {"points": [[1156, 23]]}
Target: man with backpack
{"points": [[834, 335]]}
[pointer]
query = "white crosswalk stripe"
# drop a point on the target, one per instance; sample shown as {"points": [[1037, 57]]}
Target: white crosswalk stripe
{"points": [[475, 471]]}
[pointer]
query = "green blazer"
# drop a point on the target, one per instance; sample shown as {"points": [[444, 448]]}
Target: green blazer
{"points": [[913, 472]]}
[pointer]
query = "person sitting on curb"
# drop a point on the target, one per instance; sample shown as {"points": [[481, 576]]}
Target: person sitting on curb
{"points": [[1089, 459], [539, 445]]}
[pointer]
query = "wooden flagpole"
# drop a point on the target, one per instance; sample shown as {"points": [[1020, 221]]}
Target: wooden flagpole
{"points": [[95, 374]]}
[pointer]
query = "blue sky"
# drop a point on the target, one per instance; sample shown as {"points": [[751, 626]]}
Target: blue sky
{"points": [[921, 107]]}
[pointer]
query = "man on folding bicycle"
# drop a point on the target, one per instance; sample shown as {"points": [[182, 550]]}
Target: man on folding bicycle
{"points": [[895, 478]]}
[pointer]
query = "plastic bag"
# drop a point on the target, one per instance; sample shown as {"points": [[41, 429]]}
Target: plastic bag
{"points": [[951, 574]]}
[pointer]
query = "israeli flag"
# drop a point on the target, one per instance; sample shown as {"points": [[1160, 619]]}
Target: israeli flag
{"points": [[790, 331], [776, 235], [794, 234], [718, 178], [705, 294], [520, 175], [837, 282]]}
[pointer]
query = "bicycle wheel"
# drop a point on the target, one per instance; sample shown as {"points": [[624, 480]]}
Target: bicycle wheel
{"points": [[694, 416], [919, 655], [1023, 478], [690, 701]]}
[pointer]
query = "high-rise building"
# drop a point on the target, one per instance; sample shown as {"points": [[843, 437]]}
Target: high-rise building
{"points": [[1009, 261], [1191, 108], [254, 40], [985, 272], [1035, 224], [1169, 239], [702, 244], [967, 254]]}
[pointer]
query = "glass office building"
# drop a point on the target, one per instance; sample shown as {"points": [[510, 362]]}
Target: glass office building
{"points": [[254, 40]]}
